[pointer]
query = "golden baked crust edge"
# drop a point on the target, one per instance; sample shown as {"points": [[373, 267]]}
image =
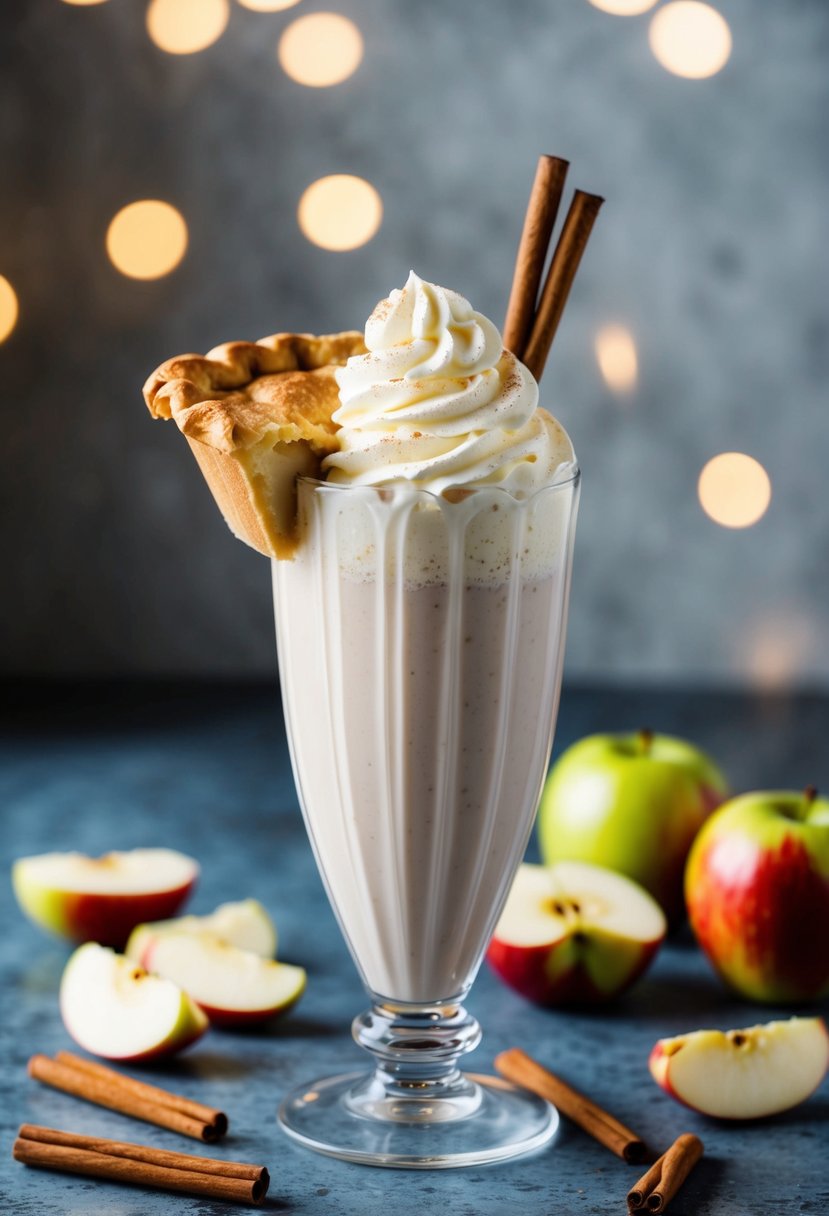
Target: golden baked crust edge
{"points": [[212, 382]]}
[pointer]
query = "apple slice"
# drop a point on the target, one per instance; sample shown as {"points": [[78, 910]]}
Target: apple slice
{"points": [[114, 1009], [575, 933], [102, 899], [744, 1074], [234, 987], [245, 924]]}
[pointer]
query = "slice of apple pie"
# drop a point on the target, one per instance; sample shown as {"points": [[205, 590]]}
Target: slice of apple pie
{"points": [[257, 415]]}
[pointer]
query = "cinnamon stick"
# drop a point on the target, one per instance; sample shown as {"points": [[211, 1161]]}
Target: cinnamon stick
{"points": [[116, 1097], [139, 1173], [542, 209], [655, 1190], [520, 1068], [143, 1152], [578, 225], [153, 1093]]}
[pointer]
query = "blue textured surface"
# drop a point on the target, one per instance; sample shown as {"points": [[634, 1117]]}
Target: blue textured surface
{"points": [[206, 770]]}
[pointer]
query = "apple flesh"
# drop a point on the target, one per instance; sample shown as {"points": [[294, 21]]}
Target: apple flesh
{"points": [[757, 889], [245, 924], [113, 1008], [234, 987], [744, 1074], [574, 933], [102, 899], [633, 803]]}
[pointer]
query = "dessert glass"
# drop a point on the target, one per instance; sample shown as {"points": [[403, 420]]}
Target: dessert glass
{"points": [[420, 641]]}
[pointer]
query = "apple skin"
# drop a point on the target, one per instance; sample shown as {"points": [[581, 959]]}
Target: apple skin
{"points": [[757, 890], [563, 975], [106, 919], [632, 803], [94, 916], [574, 934]]}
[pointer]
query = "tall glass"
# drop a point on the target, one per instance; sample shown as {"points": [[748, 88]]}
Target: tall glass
{"points": [[420, 644]]}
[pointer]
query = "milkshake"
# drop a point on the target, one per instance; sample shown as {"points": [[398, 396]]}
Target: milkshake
{"points": [[420, 629], [419, 509]]}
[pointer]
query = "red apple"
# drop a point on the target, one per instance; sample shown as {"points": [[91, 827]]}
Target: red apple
{"points": [[744, 1074], [102, 899], [114, 1009], [234, 987], [575, 933], [757, 889]]}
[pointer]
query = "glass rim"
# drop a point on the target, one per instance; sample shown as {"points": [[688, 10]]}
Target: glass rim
{"points": [[468, 491]]}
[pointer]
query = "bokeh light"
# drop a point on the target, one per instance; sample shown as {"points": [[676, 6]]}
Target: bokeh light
{"points": [[83, 3], [340, 212], [321, 49], [146, 239], [181, 27], [8, 308], [268, 6], [616, 355], [623, 8], [734, 490], [690, 39], [777, 649]]}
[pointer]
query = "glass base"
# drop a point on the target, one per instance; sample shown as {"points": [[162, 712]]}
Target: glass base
{"points": [[355, 1118]]}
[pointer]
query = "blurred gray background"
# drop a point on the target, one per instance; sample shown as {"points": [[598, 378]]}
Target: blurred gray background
{"points": [[710, 250]]}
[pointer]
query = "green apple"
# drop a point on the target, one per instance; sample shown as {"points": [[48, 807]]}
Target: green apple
{"points": [[757, 888], [632, 803]]}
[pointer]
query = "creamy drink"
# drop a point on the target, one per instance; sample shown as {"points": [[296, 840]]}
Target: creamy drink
{"points": [[420, 629], [420, 783], [420, 761], [419, 509]]}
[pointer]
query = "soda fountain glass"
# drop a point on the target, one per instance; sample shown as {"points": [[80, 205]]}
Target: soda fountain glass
{"points": [[420, 642]]}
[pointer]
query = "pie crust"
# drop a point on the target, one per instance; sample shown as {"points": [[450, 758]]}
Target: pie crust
{"points": [[256, 416]]}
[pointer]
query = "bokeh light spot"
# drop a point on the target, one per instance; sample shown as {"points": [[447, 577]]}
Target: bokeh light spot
{"points": [[734, 490], [8, 308], [268, 6], [181, 27], [617, 358], [83, 3], [146, 239], [623, 8], [340, 212], [690, 39], [321, 49], [778, 650]]}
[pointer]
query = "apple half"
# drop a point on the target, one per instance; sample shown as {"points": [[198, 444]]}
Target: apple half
{"points": [[113, 1008], [574, 933], [102, 899], [245, 924], [234, 987], [744, 1074]]}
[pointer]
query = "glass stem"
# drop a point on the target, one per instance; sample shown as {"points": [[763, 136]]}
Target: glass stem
{"points": [[416, 1050]]}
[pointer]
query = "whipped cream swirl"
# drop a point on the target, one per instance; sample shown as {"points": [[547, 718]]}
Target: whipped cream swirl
{"points": [[439, 402]]}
